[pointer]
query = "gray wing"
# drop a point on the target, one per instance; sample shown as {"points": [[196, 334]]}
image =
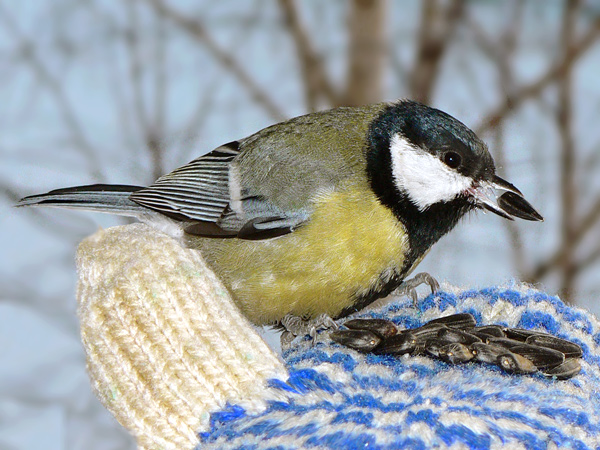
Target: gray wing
{"points": [[265, 185], [200, 195]]}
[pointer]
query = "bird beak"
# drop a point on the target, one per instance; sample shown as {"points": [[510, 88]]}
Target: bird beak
{"points": [[509, 205]]}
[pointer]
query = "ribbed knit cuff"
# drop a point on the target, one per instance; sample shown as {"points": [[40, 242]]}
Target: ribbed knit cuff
{"points": [[165, 344]]}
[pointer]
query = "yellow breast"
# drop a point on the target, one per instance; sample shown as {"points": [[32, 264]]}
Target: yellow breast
{"points": [[350, 245]]}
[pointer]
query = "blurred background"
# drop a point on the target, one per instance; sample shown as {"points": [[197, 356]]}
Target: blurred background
{"points": [[117, 91]]}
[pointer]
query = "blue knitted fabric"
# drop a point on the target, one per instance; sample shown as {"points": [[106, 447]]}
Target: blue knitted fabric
{"points": [[342, 399]]}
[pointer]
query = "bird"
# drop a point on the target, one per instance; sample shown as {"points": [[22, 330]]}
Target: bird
{"points": [[322, 214]]}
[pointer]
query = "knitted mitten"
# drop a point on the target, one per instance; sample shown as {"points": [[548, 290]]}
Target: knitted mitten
{"points": [[176, 363], [165, 345], [343, 399]]}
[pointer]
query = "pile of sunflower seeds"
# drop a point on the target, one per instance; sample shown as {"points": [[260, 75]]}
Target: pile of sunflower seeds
{"points": [[456, 339]]}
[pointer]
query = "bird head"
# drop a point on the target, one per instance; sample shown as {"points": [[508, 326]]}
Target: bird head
{"points": [[434, 159]]}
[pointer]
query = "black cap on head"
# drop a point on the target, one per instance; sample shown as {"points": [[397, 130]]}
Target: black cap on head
{"points": [[435, 132]]}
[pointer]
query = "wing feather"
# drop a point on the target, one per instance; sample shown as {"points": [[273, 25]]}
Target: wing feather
{"points": [[265, 185], [197, 191]]}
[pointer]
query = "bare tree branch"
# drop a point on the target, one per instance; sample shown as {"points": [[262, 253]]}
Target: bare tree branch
{"points": [[579, 233], [156, 131], [572, 231], [438, 24], [132, 38], [514, 232], [316, 82], [500, 51], [368, 52], [197, 30], [191, 129], [161, 85], [518, 96], [582, 264], [152, 130], [564, 117], [30, 57]]}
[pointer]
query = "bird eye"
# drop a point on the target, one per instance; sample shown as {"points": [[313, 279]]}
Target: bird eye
{"points": [[452, 159]]}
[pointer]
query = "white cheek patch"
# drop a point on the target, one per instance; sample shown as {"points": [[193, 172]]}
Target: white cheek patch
{"points": [[423, 177]]}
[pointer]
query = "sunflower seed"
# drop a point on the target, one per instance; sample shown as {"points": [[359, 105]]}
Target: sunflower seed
{"points": [[462, 321], [398, 344], [486, 353], [362, 340], [422, 334], [490, 330], [515, 363], [455, 353], [482, 336], [568, 348], [519, 334], [504, 342], [433, 345], [456, 335], [381, 327], [543, 358], [455, 339], [568, 369]]}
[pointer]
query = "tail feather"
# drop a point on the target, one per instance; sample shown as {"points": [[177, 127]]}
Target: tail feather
{"points": [[109, 198]]}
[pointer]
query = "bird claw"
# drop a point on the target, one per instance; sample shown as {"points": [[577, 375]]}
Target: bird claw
{"points": [[409, 287], [296, 326]]}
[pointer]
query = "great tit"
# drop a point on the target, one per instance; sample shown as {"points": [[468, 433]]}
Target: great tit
{"points": [[323, 213]]}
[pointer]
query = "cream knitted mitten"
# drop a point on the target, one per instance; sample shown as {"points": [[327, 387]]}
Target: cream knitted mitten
{"points": [[165, 344]]}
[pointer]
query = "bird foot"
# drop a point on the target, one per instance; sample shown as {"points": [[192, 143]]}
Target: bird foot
{"points": [[295, 326], [409, 287]]}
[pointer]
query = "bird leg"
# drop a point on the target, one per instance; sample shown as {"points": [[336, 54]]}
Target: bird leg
{"points": [[295, 326], [409, 287]]}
